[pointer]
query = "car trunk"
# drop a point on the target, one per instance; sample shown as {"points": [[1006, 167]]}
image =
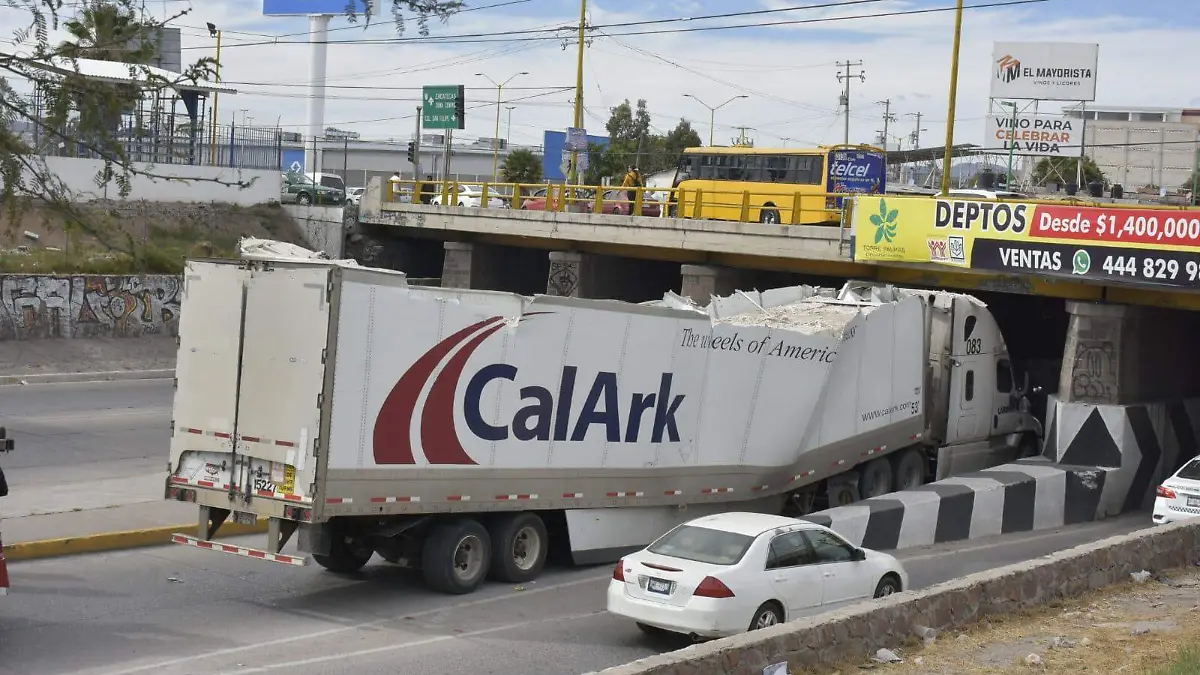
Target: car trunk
{"points": [[663, 579]]}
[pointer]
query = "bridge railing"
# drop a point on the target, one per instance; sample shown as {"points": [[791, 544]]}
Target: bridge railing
{"points": [[783, 205]]}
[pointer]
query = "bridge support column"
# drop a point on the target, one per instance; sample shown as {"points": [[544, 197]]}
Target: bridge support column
{"points": [[468, 265], [1100, 356], [702, 283], [587, 275]]}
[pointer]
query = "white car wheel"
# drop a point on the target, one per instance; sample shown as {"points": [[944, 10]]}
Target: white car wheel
{"points": [[766, 616], [888, 585]]}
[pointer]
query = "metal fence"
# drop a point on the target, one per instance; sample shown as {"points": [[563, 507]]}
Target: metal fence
{"points": [[160, 131]]}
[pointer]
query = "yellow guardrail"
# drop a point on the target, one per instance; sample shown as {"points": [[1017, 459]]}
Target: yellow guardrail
{"points": [[784, 205], [780, 206]]}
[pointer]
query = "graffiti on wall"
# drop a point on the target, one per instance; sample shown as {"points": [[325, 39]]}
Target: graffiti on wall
{"points": [[48, 306]]}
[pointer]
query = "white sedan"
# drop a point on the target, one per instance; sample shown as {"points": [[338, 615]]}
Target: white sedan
{"points": [[1179, 496], [470, 195], [729, 573]]}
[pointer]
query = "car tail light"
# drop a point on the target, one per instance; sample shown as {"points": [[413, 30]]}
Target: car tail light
{"points": [[1164, 491], [712, 587], [619, 572]]}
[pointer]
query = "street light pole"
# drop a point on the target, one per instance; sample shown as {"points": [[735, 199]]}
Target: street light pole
{"points": [[949, 156], [213, 31], [508, 133], [496, 137], [712, 113]]}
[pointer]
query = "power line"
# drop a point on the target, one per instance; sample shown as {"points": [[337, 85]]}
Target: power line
{"points": [[531, 35]]}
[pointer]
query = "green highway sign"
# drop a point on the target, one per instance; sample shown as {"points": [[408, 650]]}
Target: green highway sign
{"points": [[443, 107]]}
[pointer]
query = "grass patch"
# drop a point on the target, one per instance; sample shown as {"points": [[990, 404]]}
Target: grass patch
{"points": [[162, 251], [1187, 663]]}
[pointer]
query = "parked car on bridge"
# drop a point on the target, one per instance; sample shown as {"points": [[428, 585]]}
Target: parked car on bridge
{"points": [[732, 572], [582, 200], [470, 196], [616, 202], [354, 195], [297, 188]]}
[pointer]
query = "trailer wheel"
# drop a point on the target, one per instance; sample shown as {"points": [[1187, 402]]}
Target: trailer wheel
{"points": [[909, 470], [456, 556], [345, 556], [519, 547], [876, 478]]}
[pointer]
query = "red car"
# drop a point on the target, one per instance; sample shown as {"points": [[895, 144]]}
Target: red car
{"points": [[616, 203]]}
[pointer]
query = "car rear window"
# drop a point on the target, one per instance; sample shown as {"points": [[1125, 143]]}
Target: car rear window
{"points": [[701, 544], [1190, 471]]}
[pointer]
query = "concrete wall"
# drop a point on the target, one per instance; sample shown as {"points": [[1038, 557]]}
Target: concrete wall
{"points": [[80, 176], [834, 637], [78, 306], [322, 227]]}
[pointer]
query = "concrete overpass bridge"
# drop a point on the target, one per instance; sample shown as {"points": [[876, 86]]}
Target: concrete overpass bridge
{"points": [[1098, 336]]}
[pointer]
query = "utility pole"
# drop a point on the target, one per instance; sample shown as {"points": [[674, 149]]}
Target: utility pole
{"points": [[574, 177], [846, 77], [417, 150], [947, 160], [741, 140], [916, 134], [887, 118]]}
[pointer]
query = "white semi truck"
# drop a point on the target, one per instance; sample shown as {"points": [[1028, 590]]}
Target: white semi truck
{"points": [[466, 432]]}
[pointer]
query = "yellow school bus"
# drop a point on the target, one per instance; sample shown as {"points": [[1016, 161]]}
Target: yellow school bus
{"points": [[775, 185]]}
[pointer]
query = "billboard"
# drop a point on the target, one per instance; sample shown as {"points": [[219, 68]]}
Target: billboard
{"points": [[553, 144], [305, 7], [1034, 135], [1047, 71], [1110, 244]]}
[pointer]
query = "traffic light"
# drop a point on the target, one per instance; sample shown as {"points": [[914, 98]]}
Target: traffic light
{"points": [[412, 147], [460, 107]]}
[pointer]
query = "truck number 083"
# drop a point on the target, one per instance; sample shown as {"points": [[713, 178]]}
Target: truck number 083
{"points": [[974, 346]]}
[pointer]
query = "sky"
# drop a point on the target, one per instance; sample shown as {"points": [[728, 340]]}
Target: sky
{"points": [[787, 72]]}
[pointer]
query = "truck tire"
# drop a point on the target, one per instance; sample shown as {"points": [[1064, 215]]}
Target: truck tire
{"points": [[344, 557], [908, 470], [519, 547], [876, 478], [456, 556]]}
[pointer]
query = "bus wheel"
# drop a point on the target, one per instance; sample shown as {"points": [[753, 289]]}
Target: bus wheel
{"points": [[768, 216]]}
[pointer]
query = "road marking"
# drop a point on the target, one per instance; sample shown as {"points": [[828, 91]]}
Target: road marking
{"points": [[87, 415], [359, 626], [340, 656]]}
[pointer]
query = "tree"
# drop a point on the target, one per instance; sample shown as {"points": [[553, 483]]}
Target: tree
{"points": [[72, 110], [1064, 169], [521, 166], [631, 142]]}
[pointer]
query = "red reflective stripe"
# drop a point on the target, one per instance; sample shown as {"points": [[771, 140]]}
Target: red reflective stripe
{"points": [[673, 493], [293, 498], [221, 434], [265, 493], [572, 495], [286, 444], [251, 439], [459, 498], [334, 500], [192, 431], [206, 483], [177, 479]]}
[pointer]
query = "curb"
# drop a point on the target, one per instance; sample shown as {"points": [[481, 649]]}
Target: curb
{"points": [[114, 541], [102, 376]]}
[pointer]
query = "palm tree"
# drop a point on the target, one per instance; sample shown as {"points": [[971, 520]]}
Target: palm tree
{"points": [[521, 166], [105, 30]]}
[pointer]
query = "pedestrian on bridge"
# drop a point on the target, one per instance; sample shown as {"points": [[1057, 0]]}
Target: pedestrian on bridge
{"points": [[633, 179]]}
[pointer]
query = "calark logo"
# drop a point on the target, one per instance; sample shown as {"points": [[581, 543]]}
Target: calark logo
{"points": [[1008, 69], [947, 250], [544, 416]]}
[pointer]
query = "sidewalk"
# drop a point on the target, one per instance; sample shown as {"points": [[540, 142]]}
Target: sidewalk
{"points": [[86, 355], [78, 508]]}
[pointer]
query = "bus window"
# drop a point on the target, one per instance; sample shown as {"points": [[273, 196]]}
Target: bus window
{"points": [[775, 170], [805, 170]]}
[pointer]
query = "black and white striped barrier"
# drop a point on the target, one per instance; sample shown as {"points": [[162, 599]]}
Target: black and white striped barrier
{"points": [[1097, 462]]}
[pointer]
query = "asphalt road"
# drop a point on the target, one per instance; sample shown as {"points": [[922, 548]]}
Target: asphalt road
{"points": [[180, 610], [107, 429]]}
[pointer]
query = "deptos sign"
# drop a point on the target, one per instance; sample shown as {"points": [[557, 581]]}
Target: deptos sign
{"points": [[1048, 71], [1033, 136]]}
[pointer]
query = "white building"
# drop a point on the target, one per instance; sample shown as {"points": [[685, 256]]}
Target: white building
{"points": [[1139, 147]]}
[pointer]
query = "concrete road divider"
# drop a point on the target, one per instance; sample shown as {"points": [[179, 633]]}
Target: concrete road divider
{"points": [[854, 632], [115, 541], [1024, 496], [102, 376]]}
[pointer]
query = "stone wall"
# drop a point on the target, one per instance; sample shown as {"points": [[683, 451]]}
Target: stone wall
{"points": [[854, 632], [83, 306]]}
